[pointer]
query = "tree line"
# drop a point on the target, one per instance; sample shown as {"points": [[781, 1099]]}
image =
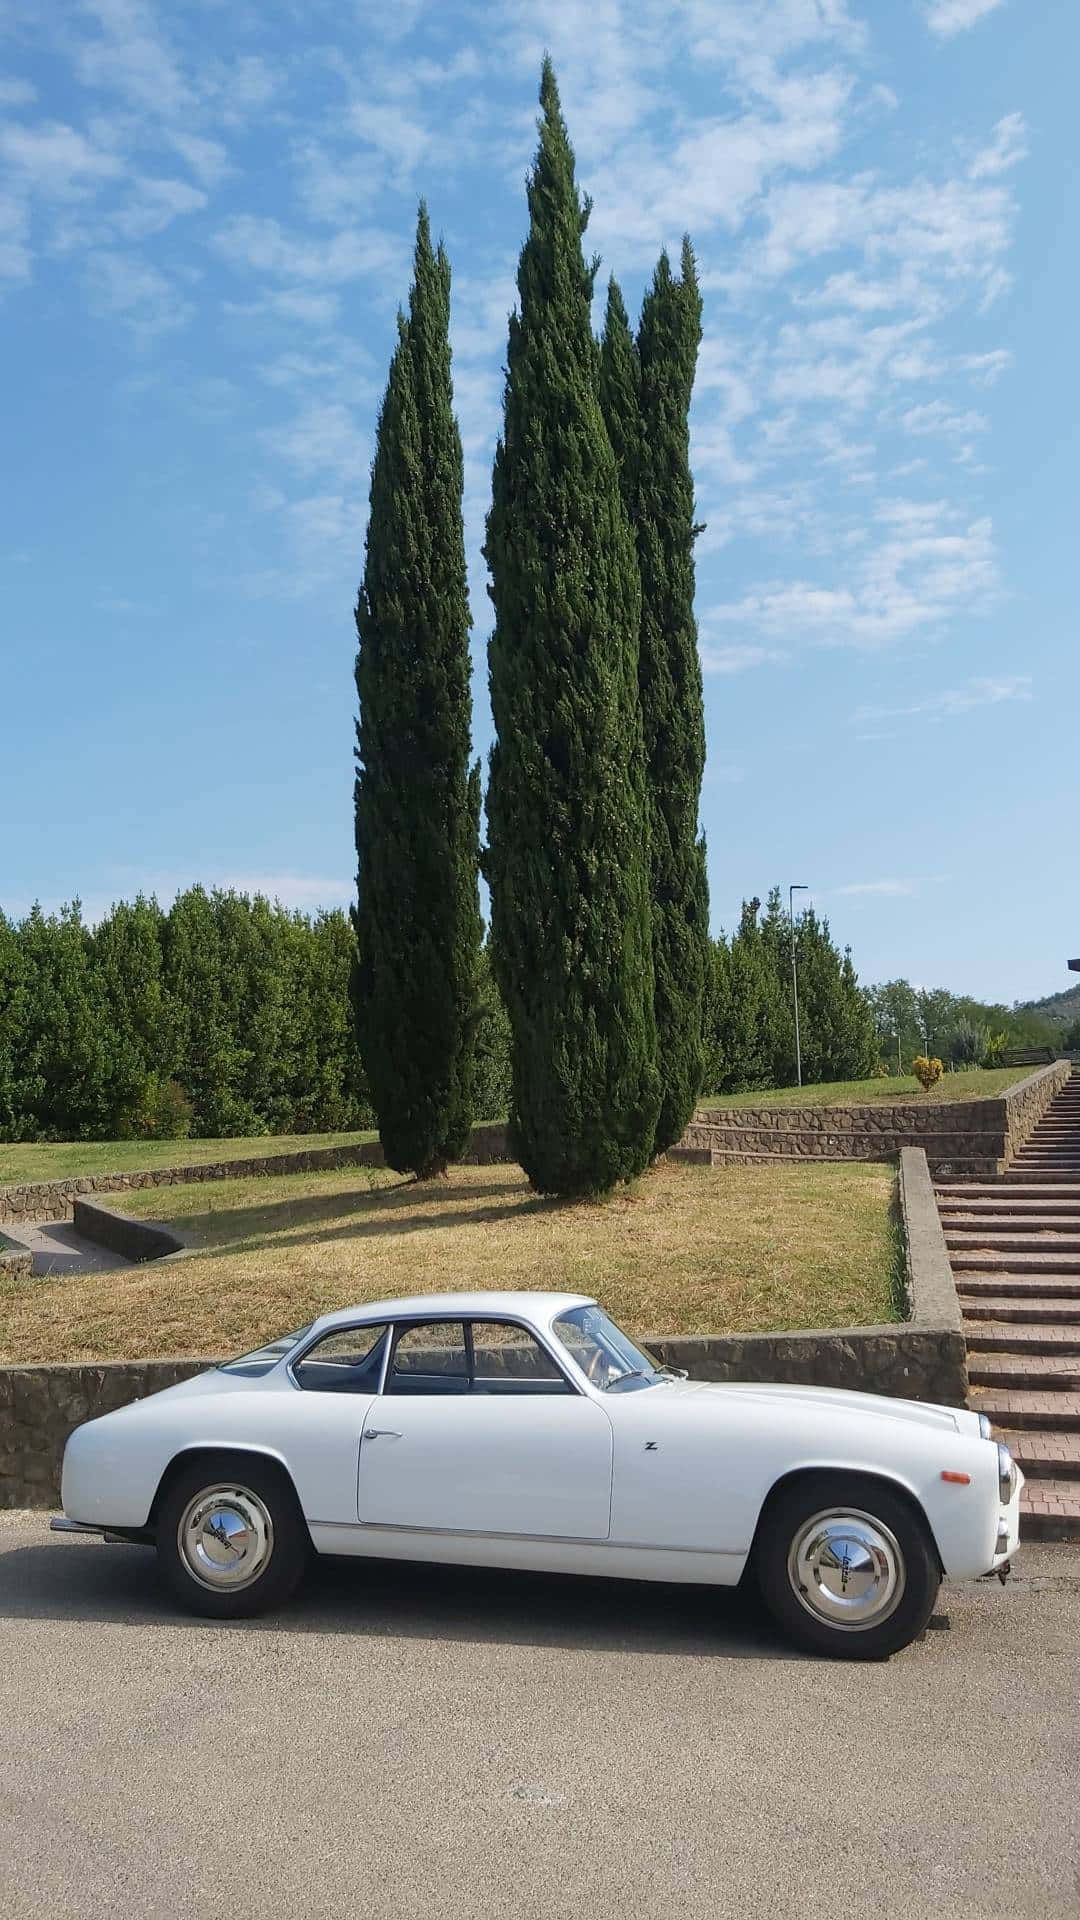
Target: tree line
{"points": [[231, 1016]]}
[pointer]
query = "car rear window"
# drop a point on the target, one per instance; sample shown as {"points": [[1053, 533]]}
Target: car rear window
{"points": [[263, 1358]]}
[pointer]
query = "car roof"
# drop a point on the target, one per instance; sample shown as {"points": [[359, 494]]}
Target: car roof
{"points": [[539, 1309]]}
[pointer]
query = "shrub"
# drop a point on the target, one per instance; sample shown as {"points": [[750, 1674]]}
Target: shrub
{"points": [[162, 1112], [927, 1071]]}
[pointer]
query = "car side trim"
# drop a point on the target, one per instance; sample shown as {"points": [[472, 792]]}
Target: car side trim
{"points": [[556, 1539]]}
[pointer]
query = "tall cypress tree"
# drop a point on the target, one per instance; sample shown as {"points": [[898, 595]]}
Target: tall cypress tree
{"points": [[566, 804], [646, 389], [417, 804]]}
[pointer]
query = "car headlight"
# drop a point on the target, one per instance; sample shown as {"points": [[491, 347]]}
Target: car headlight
{"points": [[985, 1429], [1006, 1475]]}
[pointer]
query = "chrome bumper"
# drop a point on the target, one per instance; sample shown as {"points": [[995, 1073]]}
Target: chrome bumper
{"points": [[61, 1524]]}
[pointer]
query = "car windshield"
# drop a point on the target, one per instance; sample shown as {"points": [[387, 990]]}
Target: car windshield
{"points": [[263, 1358], [606, 1355]]}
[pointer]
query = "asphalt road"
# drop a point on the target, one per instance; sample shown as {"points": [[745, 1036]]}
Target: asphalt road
{"points": [[409, 1742]]}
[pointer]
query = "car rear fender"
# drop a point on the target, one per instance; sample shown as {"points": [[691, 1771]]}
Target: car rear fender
{"points": [[218, 1455]]}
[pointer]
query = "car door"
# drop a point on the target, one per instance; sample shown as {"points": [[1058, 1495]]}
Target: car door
{"points": [[319, 1427], [478, 1430]]}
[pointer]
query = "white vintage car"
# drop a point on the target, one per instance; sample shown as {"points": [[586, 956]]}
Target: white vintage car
{"points": [[526, 1430]]}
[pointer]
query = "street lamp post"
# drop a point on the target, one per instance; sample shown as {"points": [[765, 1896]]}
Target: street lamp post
{"points": [[792, 890]]}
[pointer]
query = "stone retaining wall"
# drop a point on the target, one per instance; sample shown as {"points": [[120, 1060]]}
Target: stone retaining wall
{"points": [[965, 1138], [55, 1199], [124, 1233], [40, 1407], [1027, 1101], [922, 1358], [16, 1263]]}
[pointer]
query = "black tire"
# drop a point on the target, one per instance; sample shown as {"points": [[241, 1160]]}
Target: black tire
{"points": [[230, 1506], [823, 1524]]}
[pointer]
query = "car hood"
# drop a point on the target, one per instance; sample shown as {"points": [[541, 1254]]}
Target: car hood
{"points": [[790, 1400]]}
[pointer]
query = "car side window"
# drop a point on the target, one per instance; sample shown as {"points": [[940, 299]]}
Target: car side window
{"points": [[508, 1359], [429, 1357], [349, 1360]]}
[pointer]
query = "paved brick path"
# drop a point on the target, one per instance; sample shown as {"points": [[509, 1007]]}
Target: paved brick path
{"points": [[1014, 1244]]}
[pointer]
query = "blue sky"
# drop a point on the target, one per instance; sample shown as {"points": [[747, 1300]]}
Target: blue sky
{"points": [[206, 219]]}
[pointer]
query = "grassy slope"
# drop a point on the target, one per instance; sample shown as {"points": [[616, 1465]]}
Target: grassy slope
{"points": [[66, 1159], [978, 1084], [688, 1249]]}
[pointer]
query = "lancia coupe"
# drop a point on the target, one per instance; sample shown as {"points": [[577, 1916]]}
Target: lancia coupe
{"points": [[526, 1430]]}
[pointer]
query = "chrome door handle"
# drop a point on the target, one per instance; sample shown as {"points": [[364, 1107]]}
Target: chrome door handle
{"points": [[381, 1433]]}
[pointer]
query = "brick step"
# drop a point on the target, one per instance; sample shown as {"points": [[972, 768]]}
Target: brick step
{"points": [[1030, 1244], [988, 1206], [1020, 1285], [1048, 1156], [1016, 1176], [1044, 1453], [1065, 1161], [1017, 1189], [1030, 1308], [1050, 1510], [1019, 1338], [1035, 1409], [1007, 1368], [1010, 1368], [1034, 1177], [1013, 1260], [1038, 1218]]}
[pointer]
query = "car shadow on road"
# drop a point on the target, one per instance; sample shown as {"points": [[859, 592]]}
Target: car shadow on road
{"points": [[86, 1580]]}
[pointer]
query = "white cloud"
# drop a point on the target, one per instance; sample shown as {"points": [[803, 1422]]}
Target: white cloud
{"points": [[17, 93], [739, 659], [1008, 146], [14, 235], [946, 17], [937, 416], [888, 888], [926, 569], [986, 369], [55, 160], [258, 243], [986, 691], [121, 286], [323, 439]]}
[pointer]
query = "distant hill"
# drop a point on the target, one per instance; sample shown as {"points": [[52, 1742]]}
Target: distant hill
{"points": [[1061, 1009]]}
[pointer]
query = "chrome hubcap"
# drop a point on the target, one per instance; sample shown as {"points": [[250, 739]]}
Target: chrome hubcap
{"points": [[847, 1569], [225, 1537]]}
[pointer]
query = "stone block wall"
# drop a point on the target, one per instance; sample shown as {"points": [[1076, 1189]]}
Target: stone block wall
{"points": [[965, 1138], [41, 1406], [1027, 1101]]}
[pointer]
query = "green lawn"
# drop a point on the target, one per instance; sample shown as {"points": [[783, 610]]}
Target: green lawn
{"points": [[686, 1249], [66, 1159], [978, 1083]]}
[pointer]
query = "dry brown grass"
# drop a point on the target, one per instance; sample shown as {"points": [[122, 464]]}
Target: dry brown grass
{"points": [[686, 1250]]}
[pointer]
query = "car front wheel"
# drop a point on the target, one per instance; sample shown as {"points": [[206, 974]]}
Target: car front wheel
{"points": [[231, 1540], [847, 1567]]}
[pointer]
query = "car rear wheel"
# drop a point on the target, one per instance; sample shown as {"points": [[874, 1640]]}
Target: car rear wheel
{"points": [[847, 1567], [231, 1540]]}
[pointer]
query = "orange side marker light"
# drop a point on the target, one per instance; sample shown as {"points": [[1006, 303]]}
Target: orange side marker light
{"points": [[957, 1479]]}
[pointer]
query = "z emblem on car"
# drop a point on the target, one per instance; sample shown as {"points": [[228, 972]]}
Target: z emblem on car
{"points": [[650, 1446]]}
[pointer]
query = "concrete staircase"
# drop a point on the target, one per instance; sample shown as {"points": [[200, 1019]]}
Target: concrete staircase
{"points": [[1014, 1244]]}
